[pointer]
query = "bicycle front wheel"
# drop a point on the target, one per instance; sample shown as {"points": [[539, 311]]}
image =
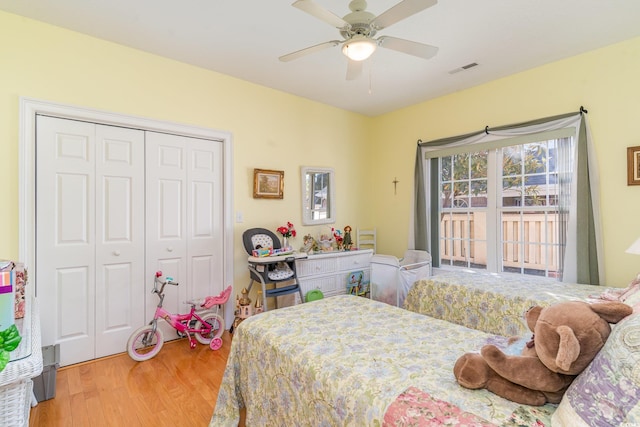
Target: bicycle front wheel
{"points": [[145, 343], [217, 327]]}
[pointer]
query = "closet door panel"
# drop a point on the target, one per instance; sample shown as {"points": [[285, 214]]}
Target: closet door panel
{"points": [[205, 220], [72, 286], [166, 180], [184, 191], [120, 236], [65, 246]]}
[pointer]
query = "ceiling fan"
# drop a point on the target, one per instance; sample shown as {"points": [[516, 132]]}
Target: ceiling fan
{"points": [[358, 29]]}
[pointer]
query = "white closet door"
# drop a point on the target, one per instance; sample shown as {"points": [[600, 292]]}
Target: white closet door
{"points": [[205, 220], [90, 236], [119, 236], [65, 249], [184, 217], [166, 239]]}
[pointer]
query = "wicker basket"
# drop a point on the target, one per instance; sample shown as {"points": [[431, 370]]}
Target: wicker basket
{"points": [[26, 362], [15, 403]]}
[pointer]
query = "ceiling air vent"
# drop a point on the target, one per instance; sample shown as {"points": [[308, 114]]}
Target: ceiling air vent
{"points": [[463, 68]]}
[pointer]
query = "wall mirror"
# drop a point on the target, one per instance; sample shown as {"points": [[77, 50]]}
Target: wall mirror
{"points": [[318, 196]]}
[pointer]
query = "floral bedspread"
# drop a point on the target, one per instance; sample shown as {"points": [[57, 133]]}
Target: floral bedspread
{"points": [[351, 361], [493, 303]]}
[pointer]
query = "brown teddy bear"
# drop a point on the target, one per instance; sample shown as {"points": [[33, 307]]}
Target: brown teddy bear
{"points": [[566, 338]]}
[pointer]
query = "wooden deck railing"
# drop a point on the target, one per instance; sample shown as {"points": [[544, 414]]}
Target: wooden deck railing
{"points": [[528, 241]]}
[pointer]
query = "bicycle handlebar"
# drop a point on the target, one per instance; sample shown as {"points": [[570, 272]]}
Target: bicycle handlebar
{"points": [[158, 279]]}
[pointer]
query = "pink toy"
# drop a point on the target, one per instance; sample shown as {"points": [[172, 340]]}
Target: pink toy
{"points": [[218, 301], [206, 326]]}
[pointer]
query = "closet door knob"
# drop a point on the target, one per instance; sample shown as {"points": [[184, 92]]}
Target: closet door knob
{"points": [[116, 253], [169, 249]]}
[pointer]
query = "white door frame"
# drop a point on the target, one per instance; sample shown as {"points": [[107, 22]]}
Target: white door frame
{"points": [[30, 107]]}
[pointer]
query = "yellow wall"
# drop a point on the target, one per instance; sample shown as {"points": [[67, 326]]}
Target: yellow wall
{"points": [[271, 129], [274, 130], [604, 81]]}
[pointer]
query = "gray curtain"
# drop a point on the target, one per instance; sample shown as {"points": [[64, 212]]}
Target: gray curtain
{"points": [[581, 260]]}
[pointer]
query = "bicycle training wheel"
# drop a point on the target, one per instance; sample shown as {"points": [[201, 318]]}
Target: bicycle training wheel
{"points": [[136, 347], [217, 327], [216, 344]]}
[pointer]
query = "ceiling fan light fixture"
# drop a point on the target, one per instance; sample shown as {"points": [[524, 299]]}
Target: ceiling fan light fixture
{"points": [[359, 48]]}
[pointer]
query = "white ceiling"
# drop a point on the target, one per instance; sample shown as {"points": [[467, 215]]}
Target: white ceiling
{"points": [[244, 38]]}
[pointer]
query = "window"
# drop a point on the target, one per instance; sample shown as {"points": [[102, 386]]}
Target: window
{"points": [[544, 167], [499, 208], [318, 196]]}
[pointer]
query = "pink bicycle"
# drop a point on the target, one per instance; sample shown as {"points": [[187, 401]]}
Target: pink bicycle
{"points": [[207, 326]]}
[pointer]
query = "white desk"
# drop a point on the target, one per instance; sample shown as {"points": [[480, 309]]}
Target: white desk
{"points": [[328, 271]]}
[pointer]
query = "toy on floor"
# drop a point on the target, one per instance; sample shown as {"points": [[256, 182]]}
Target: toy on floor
{"points": [[218, 301], [203, 326], [567, 336], [244, 309]]}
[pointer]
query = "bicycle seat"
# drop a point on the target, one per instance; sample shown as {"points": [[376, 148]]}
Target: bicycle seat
{"points": [[193, 302]]}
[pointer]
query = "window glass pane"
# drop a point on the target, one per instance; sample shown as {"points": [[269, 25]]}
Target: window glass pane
{"points": [[319, 184], [479, 164], [461, 166], [445, 238], [530, 242], [461, 194], [535, 157], [552, 156], [553, 190], [527, 239], [462, 228], [479, 193], [446, 195], [445, 168], [512, 191], [511, 161]]}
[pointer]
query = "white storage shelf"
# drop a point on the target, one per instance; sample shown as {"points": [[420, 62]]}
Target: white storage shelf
{"points": [[16, 383], [329, 271]]}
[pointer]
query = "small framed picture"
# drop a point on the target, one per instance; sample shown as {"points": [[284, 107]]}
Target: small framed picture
{"points": [[633, 165], [268, 184]]}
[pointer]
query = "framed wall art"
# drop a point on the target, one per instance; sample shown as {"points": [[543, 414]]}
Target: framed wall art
{"points": [[633, 165], [268, 184]]}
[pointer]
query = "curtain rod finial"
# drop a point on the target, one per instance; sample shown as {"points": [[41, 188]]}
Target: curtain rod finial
{"points": [[583, 110]]}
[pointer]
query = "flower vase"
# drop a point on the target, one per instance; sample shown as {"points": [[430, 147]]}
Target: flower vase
{"points": [[285, 242]]}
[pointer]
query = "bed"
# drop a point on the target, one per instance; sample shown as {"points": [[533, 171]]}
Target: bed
{"points": [[351, 361], [493, 303]]}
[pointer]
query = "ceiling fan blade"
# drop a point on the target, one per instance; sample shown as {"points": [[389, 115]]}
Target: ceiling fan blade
{"points": [[306, 51], [354, 69], [321, 13], [420, 50], [400, 11]]}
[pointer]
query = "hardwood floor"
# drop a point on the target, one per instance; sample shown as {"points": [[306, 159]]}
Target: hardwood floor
{"points": [[178, 387]]}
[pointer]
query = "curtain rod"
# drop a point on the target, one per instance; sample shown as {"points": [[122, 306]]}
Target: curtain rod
{"points": [[486, 128]]}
